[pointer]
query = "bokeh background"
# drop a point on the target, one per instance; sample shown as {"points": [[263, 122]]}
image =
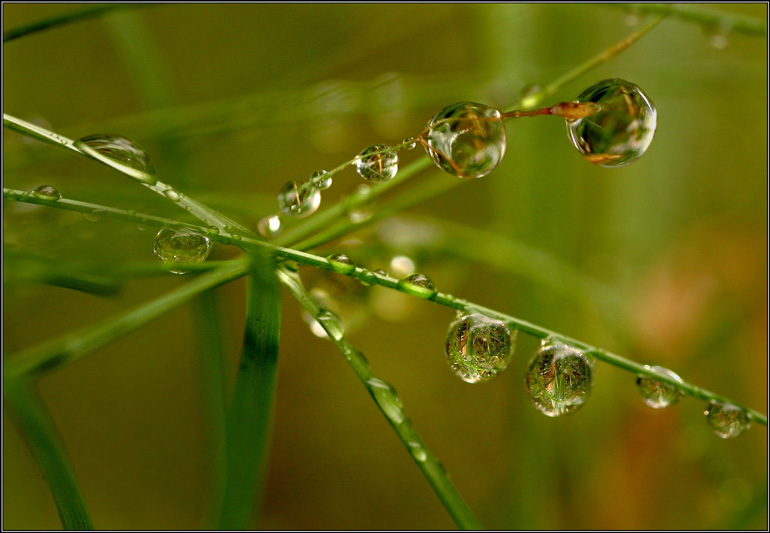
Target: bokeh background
{"points": [[666, 262]]}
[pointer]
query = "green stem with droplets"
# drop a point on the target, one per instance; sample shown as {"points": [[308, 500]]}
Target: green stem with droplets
{"points": [[703, 15], [448, 300], [389, 404], [44, 440]]}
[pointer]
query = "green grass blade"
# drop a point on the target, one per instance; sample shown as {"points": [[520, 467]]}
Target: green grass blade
{"points": [[64, 350], [388, 402], [249, 417], [43, 438]]}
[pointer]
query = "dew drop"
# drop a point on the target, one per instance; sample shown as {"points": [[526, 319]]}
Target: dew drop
{"points": [[181, 246], [321, 180], [121, 154], [387, 398], [47, 192], [418, 285], [214, 230], [331, 325], [367, 278], [621, 131], [418, 451], [655, 393], [466, 139], [341, 263], [270, 226], [375, 166], [727, 420], [558, 381], [299, 199], [93, 216], [410, 143], [172, 195], [478, 347]]}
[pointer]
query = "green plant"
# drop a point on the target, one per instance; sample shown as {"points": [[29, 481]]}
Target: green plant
{"points": [[238, 449]]}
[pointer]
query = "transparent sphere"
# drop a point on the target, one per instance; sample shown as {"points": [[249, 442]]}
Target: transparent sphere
{"points": [[466, 139], [478, 347], [657, 394], [270, 226], [558, 381], [621, 131], [321, 180], [121, 154], [727, 420], [181, 246], [375, 166], [298, 199], [418, 285], [341, 263], [47, 192]]}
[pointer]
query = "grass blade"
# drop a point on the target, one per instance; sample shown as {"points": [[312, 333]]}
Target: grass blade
{"points": [[45, 442], [249, 418]]}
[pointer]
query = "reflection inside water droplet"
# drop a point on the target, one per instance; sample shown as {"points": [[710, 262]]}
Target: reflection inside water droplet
{"points": [[375, 166], [478, 347], [47, 192], [727, 420], [181, 246], [558, 381], [121, 154], [657, 394]]}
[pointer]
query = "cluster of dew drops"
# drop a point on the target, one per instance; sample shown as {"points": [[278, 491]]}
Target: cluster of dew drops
{"points": [[611, 124]]}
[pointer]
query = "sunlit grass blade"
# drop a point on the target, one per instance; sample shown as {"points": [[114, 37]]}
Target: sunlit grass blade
{"points": [[38, 429], [249, 416], [388, 402]]}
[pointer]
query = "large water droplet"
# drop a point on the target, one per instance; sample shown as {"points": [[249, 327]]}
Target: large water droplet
{"points": [[321, 180], [341, 263], [121, 154], [181, 246], [621, 131], [331, 324], [657, 394], [299, 199], [375, 166], [558, 380], [727, 420], [47, 192], [478, 347], [270, 226], [466, 139], [388, 400], [418, 285]]}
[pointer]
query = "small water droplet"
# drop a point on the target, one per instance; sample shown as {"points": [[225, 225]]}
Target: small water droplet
{"points": [[331, 324], [530, 96], [172, 195], [718, 35], [418, 285], [270, 226], [181, 246], [727, 420], [358, 216], [121, 154], [388, 400], [478, 347], [299, 199], [410, 143], [367, 278], [621, 131], [375, 166], [93, 216], [558, 381], [466, 139], [47, 192], [655, 393], [341, 263], [321, 180], [380, 272], [418, 451], [213, 229]]}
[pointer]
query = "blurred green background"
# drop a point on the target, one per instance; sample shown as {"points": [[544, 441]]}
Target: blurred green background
{"points": [[232, 101]]}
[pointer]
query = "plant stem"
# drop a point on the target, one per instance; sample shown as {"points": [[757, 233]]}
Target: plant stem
{"points": [[71, 347], [249, 418], [45, 442], [704, 15], [389, 404]]}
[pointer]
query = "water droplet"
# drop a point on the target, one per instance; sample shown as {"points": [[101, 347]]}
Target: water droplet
{"points": [[341, 263], [270, 226], [299, 199], [418, 451], [530, 96], [380, 272], [121, 154], [93, 216], [47, 192], [172, 195], [367, 278], [718, 35], [418, 285], [388, 400], [558, 380], [331, 324], [321, 180], [181, 246], [214, 230], [466, 139], [655, 393], [358, 216], [727, 420], [375, 166], [478, 347], [410, 143], [621, 131]]}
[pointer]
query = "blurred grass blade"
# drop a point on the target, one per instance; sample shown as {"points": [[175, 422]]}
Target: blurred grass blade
{"points": [[43, 438], [249, 417]]}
